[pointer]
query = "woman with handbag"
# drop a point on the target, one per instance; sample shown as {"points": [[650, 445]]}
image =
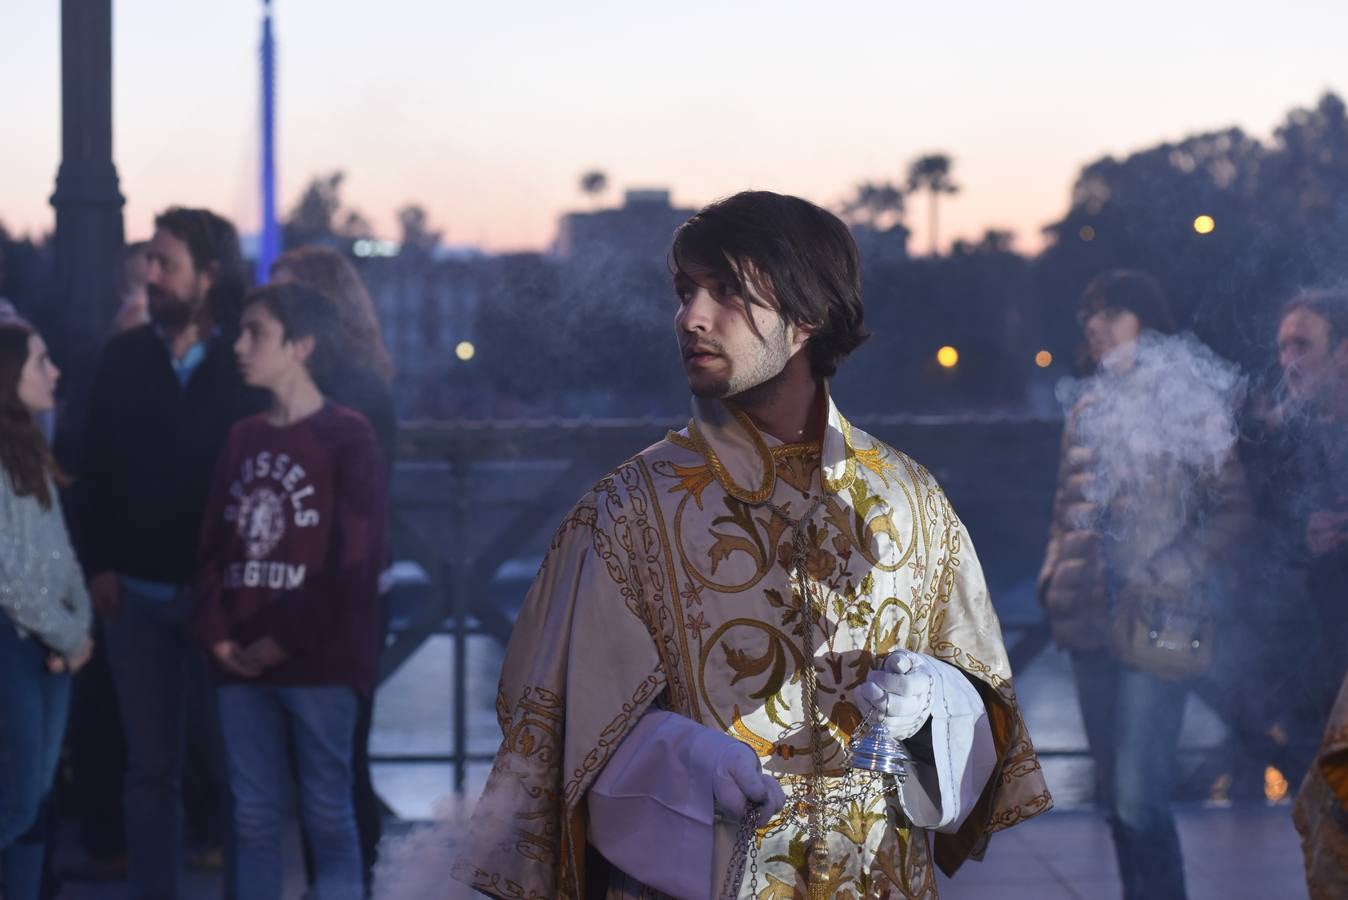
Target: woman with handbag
{"points": [[1150, 496], [44, 610]]}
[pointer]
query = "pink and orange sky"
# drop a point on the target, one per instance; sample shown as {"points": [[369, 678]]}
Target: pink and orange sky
{"points": [[487, 114]]}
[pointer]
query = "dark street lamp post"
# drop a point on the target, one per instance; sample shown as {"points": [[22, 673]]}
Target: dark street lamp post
{"points": [[89, 237]]}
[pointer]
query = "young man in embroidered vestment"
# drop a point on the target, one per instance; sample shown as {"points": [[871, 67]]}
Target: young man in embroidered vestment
{"points": [[720, 615]]}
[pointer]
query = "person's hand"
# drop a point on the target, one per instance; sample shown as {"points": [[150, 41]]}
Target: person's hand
{"points": [[1326, 531], [899, 692], [81, 657], [60, 665], [105, 592], [262, 654], [737, 781], [228, 654]]}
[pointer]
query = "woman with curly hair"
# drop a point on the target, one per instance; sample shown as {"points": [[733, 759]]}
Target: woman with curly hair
{"points": [[363, 375]]}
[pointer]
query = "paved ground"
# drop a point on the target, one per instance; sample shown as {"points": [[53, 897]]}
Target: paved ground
{"points": [[1233, 852], [1239, 853]]}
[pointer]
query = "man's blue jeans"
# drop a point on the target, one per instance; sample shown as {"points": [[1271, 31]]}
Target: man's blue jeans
{"points": [[163, 698], [1132, 726], [149, 656], [321, 721], [33, 708]]}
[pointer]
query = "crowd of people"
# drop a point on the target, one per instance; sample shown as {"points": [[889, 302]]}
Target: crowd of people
{"points": [[1221, 573], [227, 513], [216, 550]]}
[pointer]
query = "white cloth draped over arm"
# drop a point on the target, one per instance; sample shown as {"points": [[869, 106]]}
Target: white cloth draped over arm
{"points": [[652, 808], [941, 795]]}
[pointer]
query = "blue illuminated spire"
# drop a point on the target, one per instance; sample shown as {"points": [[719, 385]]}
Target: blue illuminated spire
{"points": [[269, 246]]}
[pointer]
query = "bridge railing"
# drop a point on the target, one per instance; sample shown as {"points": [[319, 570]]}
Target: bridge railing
{"points": [[470, 498]]}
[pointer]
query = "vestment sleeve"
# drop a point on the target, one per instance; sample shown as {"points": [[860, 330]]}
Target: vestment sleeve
{"points": [[963, 630], [580, 671]]}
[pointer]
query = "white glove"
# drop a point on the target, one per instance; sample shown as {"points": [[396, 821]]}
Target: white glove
{"points": [[899, 692], [737, 778]]}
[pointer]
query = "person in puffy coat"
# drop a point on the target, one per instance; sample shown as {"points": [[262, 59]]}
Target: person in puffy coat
{"points": [[1150, 499]]}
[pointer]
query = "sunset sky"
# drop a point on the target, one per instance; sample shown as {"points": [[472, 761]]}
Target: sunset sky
{"points": [[487, 114]]}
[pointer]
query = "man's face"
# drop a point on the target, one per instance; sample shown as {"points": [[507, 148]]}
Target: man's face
{"points": [[174, 289], [1304, 353], [722, 354]]}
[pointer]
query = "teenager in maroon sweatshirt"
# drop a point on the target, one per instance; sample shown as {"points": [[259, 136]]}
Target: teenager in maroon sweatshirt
{"points": [[291, 550]]}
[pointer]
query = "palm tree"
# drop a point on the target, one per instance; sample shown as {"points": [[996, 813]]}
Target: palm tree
{"points": [[875, 205], [931, 173]]}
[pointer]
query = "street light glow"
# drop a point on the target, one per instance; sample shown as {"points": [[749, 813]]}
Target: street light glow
{"points": [[1204, 224], [948, 357], [1043, 359], [465, 350], [1087, 233]]}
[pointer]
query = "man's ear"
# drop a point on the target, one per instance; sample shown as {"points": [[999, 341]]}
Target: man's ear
{"points": [[206, 278], [800, 334]]}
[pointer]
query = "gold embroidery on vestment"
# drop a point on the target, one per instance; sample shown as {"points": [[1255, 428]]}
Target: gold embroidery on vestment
{"points": [[769, 477]]}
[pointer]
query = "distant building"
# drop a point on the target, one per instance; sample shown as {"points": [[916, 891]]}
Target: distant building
{"points": [[427, 308], [642, 227], [881, 245]]}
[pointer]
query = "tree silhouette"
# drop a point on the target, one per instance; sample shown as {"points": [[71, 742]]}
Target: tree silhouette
{"points": [[876, 205], [1280, 225], [417, 236], [354, 226], [994, 240], [931, 173], [593, 183], [874, 213], [25, 268], [1304, 179], [318, 217]]}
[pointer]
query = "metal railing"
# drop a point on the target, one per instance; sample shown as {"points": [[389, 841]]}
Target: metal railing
{"points": [[469, 496]]}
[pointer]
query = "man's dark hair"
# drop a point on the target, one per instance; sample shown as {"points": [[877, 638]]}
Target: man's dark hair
{"points": [[795, 255], [1329, 304], [1131, 291], [304, 312], [214, 246]]}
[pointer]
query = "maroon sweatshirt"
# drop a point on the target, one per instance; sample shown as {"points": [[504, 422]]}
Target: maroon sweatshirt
{"points": [[292, 545]]}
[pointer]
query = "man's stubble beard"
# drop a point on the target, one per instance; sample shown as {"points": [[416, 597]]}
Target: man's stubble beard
{"points": [[759, 383], [166, 311]]}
